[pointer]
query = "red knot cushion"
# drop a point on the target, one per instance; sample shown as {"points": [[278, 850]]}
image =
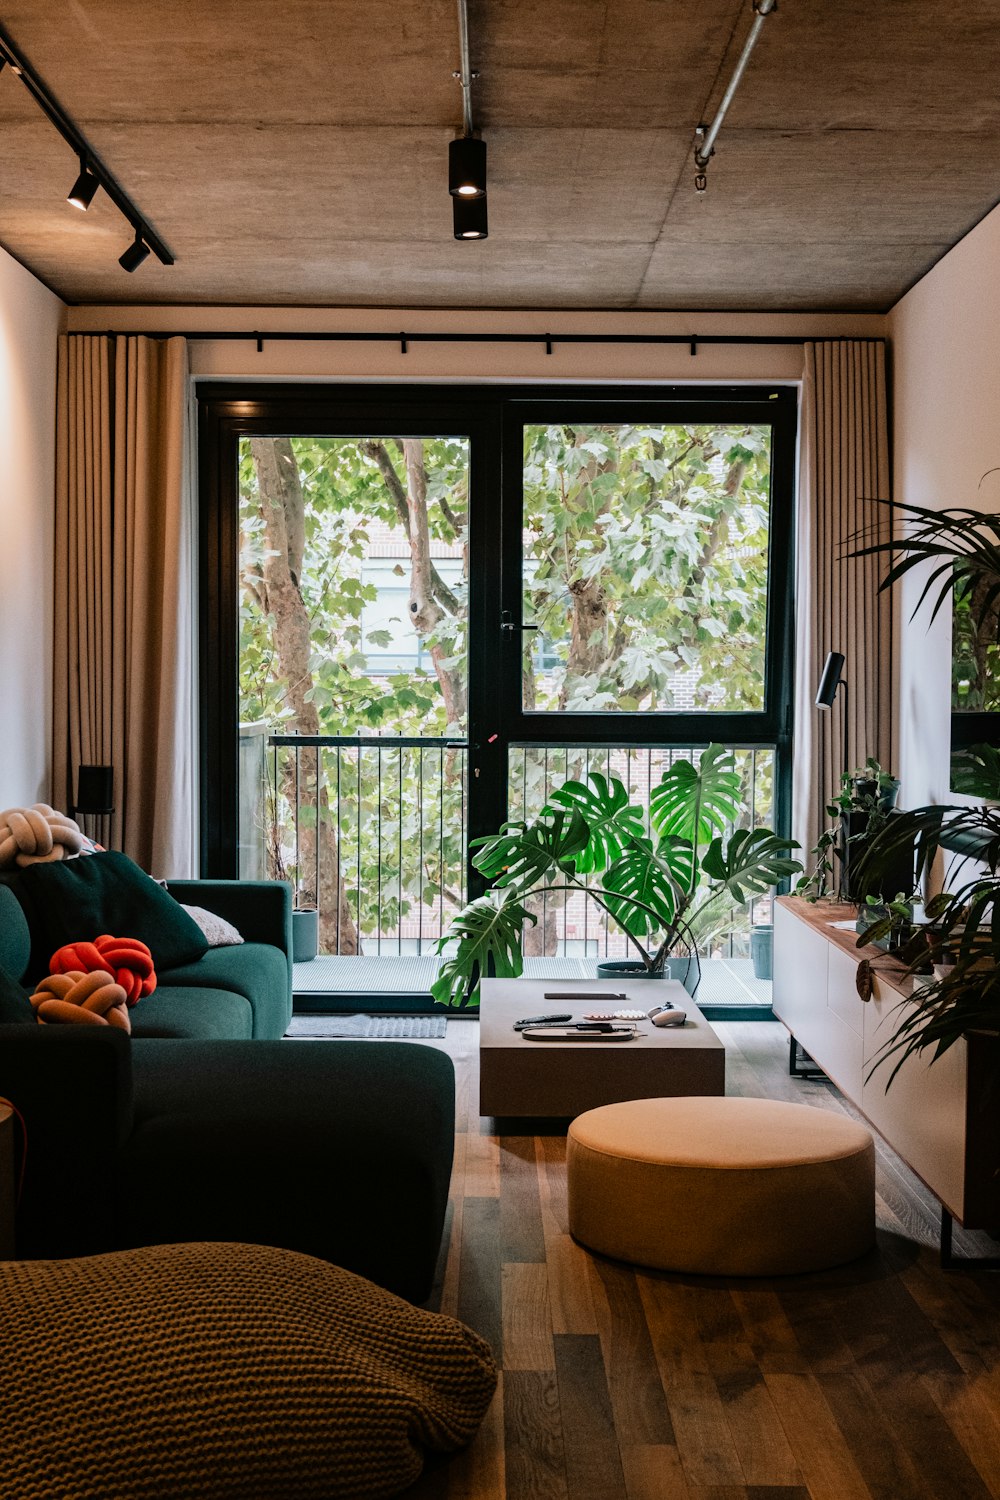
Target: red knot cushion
{"points": [[127, 960]]}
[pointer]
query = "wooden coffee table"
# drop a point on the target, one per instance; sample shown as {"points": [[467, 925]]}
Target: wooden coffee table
{"points": [[562, 1079]]}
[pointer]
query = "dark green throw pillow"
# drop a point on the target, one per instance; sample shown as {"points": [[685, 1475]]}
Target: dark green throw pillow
{"points": [[15, 1006], [74, 899]]}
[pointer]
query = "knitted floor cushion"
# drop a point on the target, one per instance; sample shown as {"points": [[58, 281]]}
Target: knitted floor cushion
{"points": [[222, 1370]]}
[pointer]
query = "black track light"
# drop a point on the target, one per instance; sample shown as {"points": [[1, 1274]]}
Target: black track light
{"points": [[467, 167], [135, 254], [831, 680], [469, 215], [81, 194]]}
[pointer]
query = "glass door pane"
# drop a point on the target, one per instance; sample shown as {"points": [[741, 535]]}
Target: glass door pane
{"points": [[645, 566], [353, 681]]}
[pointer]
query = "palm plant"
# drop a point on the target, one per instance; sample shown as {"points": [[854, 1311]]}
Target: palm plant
{"points": [[961, 938], [673, 885]]}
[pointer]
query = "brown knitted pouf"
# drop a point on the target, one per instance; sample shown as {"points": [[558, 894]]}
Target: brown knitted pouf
{"points": [[221, 1370]]}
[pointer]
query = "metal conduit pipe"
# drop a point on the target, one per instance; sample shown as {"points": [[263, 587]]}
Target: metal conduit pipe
{"points": [[703, 151], [464, 74]]}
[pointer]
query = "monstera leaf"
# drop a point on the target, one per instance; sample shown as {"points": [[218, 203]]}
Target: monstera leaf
{"points": [[697, 804], [753, 862], [612, 823], [523, 854], [489, 942], [639, 876]]}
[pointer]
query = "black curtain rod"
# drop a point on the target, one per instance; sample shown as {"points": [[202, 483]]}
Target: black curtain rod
{"points": [[548, 339]]}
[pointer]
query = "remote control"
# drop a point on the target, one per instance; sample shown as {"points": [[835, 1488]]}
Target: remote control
{"points": [[542, 1021]]}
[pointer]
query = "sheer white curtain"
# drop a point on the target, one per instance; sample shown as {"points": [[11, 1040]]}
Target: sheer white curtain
{"points": [[844, 467], [124, 621]]}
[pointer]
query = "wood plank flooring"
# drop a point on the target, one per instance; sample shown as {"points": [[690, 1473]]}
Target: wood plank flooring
{"points": [[877, 1381]]}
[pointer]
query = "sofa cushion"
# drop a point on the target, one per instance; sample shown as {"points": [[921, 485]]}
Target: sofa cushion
{"points": [[82, 898], [198, 1012], [255, 970], [15, 1007], [15, 937], [242, 1370]]}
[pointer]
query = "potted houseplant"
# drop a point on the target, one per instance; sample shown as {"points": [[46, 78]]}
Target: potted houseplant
{"points": [[865, 799], [668, 889], [960, 938]]}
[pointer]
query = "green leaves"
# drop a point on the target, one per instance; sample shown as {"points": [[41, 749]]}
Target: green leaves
{"points": [[752, 863], [609, 819], [489, 943], [522, 855], [696, 804], [639, 877]]}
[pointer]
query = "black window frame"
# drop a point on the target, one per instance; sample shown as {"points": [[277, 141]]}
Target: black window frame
{"points": [[492, 415]]}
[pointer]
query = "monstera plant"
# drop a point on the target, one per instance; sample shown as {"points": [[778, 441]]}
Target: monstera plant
{"points": [[669, 876]]}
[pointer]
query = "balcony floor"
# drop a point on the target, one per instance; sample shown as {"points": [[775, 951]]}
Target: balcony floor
{"points": [[391, 982]]}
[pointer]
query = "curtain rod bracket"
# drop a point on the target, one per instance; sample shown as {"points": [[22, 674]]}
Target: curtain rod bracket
{"points": [[694, 345], [260, 343], [403, 345], [548, 343]]}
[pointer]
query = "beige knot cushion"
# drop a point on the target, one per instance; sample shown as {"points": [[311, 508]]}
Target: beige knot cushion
{"points": [[722, 1187], [35, 835], [229, 1371]]}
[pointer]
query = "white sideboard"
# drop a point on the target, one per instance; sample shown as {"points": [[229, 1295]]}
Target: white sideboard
{"points": [[933, 1115]]}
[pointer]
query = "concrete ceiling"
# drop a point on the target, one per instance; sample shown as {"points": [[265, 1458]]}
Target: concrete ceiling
{"points": [[296, 152]]}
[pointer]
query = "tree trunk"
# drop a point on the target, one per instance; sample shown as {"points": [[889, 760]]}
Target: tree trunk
{"points": [[282, 508]]}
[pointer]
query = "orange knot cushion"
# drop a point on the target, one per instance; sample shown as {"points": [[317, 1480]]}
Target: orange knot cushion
{"points": [[37, 835], [81, 999], [126, 960]]}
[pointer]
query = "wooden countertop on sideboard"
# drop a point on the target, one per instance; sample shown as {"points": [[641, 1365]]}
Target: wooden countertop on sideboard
{"points": [[819, 914]]}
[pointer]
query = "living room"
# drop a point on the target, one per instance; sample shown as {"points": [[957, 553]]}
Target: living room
{"points": [[843, 257]]}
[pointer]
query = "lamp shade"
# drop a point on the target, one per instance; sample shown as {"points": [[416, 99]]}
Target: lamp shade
{"points": [[469, 215], [830, 680], [467, 167], [95, 789], [134, 255], [81, 194]]}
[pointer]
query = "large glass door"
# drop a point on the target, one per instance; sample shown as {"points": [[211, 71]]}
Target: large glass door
{"points": [[646, 614]]}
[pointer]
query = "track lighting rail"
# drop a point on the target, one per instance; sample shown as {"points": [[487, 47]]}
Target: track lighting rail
{"points": [[54, 112]]}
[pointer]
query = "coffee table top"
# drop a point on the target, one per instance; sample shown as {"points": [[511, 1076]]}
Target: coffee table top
{"points": [[504, 1001]]}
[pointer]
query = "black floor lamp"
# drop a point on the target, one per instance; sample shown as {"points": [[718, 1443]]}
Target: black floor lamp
{"points": [[830, 681]]}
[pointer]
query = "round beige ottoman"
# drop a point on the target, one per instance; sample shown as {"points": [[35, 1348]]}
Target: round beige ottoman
{"points": [[721, 1187]]}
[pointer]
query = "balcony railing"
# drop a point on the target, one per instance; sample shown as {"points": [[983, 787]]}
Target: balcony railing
{"points": [[372, 830]]}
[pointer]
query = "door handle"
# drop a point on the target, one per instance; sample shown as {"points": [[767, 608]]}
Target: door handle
{"points": [[506, 623]]}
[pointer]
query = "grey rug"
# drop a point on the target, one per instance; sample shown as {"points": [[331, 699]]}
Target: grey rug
{"points": [[368, 1027]]}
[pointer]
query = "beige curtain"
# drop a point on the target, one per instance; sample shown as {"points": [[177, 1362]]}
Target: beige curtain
{"points": [[844, 466], [124, 597]]}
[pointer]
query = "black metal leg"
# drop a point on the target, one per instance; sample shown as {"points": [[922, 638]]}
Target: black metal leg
{"points": [[952, 1262], [795, 1068]]}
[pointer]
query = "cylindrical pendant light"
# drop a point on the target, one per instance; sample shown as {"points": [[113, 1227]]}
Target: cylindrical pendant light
{"points": [[81, 194], [467, 167], [469, 215], [135, 254]]}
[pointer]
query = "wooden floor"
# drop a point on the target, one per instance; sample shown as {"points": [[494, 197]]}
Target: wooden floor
{"points": [[880, 1379]]}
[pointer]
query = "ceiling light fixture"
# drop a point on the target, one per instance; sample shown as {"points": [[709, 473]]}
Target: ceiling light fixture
{"points": [[81, 194], [91, 165], [134, 255], [469, 215], [705, 145], [467, 153]]}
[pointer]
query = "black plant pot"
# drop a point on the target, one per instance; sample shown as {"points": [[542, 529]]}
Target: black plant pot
{"points": [[684, 969], [867, 786]]}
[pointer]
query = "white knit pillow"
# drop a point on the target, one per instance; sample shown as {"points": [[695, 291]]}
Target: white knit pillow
{"points": [[219, 932]]}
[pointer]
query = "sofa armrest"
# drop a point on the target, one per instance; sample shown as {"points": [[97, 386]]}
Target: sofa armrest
{"points": [[261, 909], [73, 1088]]}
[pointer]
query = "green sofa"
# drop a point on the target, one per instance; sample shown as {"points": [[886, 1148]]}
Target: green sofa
{"points": [[233, 993], [202, 1126]]}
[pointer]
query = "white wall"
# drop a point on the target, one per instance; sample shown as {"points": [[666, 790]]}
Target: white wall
{"points": [[29, 324], [945, 339]]}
